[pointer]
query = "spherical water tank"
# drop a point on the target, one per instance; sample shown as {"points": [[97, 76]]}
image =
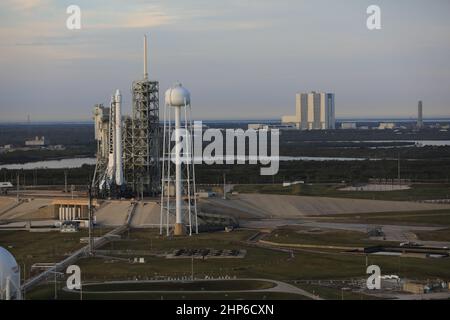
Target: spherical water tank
{"points": [[9, 271], [177, 96]]}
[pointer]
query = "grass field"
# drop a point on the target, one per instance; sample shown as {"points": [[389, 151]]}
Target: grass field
{"points": [[322, 237], [417, 192], [149, 239], [259, 263], [438, 235], [49, 247]]}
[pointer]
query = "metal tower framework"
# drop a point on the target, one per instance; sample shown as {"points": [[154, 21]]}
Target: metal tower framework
{"points": [[127, 147], [101, 117], [144, 161]]}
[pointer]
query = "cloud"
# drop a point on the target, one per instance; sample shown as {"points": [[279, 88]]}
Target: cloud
{"points": [[147, 19], [22, 5], [240, 25], [143, 17]]}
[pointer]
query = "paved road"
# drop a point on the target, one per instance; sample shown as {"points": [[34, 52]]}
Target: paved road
{"points": [[280, 287]]}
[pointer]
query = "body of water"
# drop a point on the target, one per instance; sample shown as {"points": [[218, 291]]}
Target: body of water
{"points": [[50, 164], [419, 143], [78, 162]]}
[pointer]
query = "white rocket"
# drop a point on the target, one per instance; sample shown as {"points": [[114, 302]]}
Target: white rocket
{"points": [[119, 149], [115, 164]]}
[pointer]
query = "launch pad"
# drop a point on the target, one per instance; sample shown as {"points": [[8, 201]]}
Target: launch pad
{"points": [[128, 152], [128, 147]]}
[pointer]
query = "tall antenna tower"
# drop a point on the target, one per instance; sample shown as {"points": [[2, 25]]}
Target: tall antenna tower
{"points": [[144, 164], [178, 191], [29, 125], [420, 115]]}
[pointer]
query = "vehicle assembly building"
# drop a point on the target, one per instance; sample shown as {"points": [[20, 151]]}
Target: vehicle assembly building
{"points": [[128, 147], [313, 111]]}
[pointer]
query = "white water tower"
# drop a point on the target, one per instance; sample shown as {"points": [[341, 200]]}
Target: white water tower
{"points": [[9, 276], [178, 171]]}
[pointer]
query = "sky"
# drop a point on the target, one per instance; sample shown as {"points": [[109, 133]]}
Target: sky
{"points": [[241, 59]]}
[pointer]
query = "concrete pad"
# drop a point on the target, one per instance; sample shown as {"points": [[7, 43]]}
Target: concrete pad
{"points": [[25, 210], [113, 213], [147, 215], [6, 203], [281, 206]]}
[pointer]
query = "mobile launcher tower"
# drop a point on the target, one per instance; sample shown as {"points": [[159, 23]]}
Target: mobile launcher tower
{"points": [[178, 194], [128, 147]]}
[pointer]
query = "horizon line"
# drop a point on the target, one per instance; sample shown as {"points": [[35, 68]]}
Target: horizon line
{"points": [[362, 119]]}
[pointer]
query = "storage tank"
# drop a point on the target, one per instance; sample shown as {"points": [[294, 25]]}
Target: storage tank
{"points": [[177, 96], [9, 276]]}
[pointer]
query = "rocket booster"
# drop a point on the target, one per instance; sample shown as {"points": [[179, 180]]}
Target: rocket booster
{"points": [[114, 172], [118, 137]]}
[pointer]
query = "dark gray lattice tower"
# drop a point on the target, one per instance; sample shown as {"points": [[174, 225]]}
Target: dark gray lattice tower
{"points": [[127, 142], [145, 164], [102, 124]]}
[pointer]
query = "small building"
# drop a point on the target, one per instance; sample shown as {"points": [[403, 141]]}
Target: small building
{"points": [[57, 147], [386, 125], [229, 228], [70, 226], [5, 186], [255, 126], [375, 232], [421, 287], [414, 287], [71, 209], [36, 142], [348, 125], [206, 194]]}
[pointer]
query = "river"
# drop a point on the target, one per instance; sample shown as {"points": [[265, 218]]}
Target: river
{"points": [[78, 162], [50, 164]]}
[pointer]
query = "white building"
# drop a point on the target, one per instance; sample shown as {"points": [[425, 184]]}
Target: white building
{"points": [[257, 126], [36, 142], [313, 111], [386, 126], [348, 125]]}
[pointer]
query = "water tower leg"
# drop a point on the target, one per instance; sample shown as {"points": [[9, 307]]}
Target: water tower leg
{"points": [[179, 225]]}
